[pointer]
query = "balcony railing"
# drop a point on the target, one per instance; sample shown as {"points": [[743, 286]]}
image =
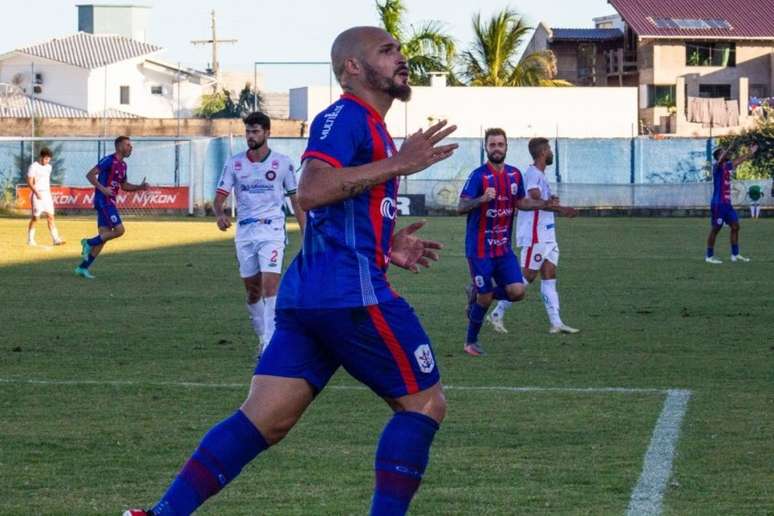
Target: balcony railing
{"points": [[620, 62]]}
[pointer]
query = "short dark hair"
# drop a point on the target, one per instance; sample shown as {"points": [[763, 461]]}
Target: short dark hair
{"points": [[494, 131], [536, 146], [45, 152], [717, 153], [258, 118], [120, 139]]}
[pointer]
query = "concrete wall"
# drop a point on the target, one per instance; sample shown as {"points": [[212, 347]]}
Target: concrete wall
{"points": [[527, 112], [52, 127], [62, 83]]}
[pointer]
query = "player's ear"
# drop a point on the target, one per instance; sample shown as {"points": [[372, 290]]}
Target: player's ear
{"points": [[352, 66]]}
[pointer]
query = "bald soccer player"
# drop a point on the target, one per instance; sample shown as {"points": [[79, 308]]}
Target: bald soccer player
{"points": [[334, 306]]}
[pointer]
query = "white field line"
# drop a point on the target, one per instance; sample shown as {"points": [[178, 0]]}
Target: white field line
{"points": [[245, 385], [648, 493], [657, 468]]}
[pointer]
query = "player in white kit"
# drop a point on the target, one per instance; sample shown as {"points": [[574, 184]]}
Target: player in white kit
{"points": [[261, 178], [536, 235], [39, 181]]}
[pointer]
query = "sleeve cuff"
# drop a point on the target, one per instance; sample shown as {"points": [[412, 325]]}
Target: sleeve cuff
{"points": [[330, 160]]}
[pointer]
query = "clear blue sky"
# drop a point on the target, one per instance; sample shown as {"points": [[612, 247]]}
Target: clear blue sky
{"points": [[275, 30]]}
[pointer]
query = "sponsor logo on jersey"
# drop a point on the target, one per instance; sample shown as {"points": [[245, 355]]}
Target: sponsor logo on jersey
{"points": [[274, 165], [497, 242], [237, 166], [493, 213], [388, 208], [256, 188], [424, 357], [271, 175], [330, 119], [514, 188]]}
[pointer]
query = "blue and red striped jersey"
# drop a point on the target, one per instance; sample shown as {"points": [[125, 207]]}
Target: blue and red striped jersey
{"points": [[721, 182], [346, 249], [112, 173], [490, 226]]}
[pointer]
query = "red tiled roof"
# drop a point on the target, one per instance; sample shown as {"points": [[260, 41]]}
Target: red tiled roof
{"points": [[749, 19]]}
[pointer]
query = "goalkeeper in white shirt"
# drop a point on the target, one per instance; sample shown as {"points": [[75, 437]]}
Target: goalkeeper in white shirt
{"points": [[536, 235]]}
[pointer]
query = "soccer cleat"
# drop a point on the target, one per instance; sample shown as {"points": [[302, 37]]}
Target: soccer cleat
{"points": [[59, 242], [563, 328], [85, 248], [474, 350], [713, 260], [739, 258], [497, 323], [137, 512], [84, 273], [32, 243]]}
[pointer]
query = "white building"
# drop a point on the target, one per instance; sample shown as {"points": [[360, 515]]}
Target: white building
{"points": [[96, 74]]}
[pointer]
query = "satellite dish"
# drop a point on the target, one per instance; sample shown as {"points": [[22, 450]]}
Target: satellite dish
{"points": [[11, 97]]}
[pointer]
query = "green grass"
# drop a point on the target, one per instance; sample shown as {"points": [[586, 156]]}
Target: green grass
{"points": [[168, 306]]}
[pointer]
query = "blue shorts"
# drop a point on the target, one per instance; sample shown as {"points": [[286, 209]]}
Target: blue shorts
{"points": [[502, 271], [108, 217], [383, 346], [722, 213]]}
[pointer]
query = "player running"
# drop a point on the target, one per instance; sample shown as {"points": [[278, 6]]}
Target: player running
{"points": [[39, 181], [335, 306], [536, 235], [721, 210], [490, 197], [261, 178], [108, 177]]}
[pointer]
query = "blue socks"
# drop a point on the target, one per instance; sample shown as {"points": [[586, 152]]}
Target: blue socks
{"points": [[85, 264], [476, 319], [710, 252], [221, 455], [95, 241], [734, 249], [401, 459]]}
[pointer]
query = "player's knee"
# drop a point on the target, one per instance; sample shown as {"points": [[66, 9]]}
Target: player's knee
{"points": [[516, 293], [119, 231], [484, 300], [437, 407]]}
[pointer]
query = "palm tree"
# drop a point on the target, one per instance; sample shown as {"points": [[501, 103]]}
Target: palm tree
{"points": [[427, 47], [492, 59]]}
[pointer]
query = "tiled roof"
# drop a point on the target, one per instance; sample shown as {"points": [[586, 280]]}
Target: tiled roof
{"points": [[48, 109], [585, 34], [747, 19], [87, 50]]}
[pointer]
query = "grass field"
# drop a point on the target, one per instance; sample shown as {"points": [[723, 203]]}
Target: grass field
{"points": [[106, 386]]}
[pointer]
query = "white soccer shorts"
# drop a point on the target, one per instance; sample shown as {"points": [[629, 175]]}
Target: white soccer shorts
{"points": [[533, 257], [256, 256], [43, 205]]}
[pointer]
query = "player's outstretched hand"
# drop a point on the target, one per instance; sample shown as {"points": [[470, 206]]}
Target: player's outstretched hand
{"points": [[409, 251], [421, 149], [224, 222], [144, 185]]}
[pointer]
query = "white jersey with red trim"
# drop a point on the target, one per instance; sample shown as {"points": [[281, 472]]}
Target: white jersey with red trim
{"points": [[260, 188], [535, 226]]}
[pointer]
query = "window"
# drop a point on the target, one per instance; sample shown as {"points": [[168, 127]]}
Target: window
{"points": [[124, 94], [714, 91], [661, 95], [690, 23], [157, 90], [759, 90], [701, 53]]}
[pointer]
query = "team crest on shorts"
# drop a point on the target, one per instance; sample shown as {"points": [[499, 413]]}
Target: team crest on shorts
{"points": [[538, 257], [719, 222], [424, 358]]}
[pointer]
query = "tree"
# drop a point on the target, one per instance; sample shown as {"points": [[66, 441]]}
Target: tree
{"points": [[761, 165], [220, 104], [492, 60], [427, 47]]}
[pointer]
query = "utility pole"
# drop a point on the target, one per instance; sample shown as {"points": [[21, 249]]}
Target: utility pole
{"points": [[214, 42]]}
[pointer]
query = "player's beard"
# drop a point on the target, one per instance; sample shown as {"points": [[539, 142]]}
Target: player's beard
{"points": [[387, 84], [255, 144], [549, 160], [496, 158]]}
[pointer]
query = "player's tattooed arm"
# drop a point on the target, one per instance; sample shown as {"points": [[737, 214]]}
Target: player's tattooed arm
{"points": [[467, 204], [321, 184], [131, 187]]}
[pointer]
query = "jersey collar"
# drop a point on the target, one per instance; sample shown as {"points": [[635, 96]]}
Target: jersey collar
{"points": [[247, 155], [357, 100], [494, 170]]}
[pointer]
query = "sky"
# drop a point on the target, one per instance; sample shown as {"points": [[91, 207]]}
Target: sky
{"points": [[282, 30]]}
